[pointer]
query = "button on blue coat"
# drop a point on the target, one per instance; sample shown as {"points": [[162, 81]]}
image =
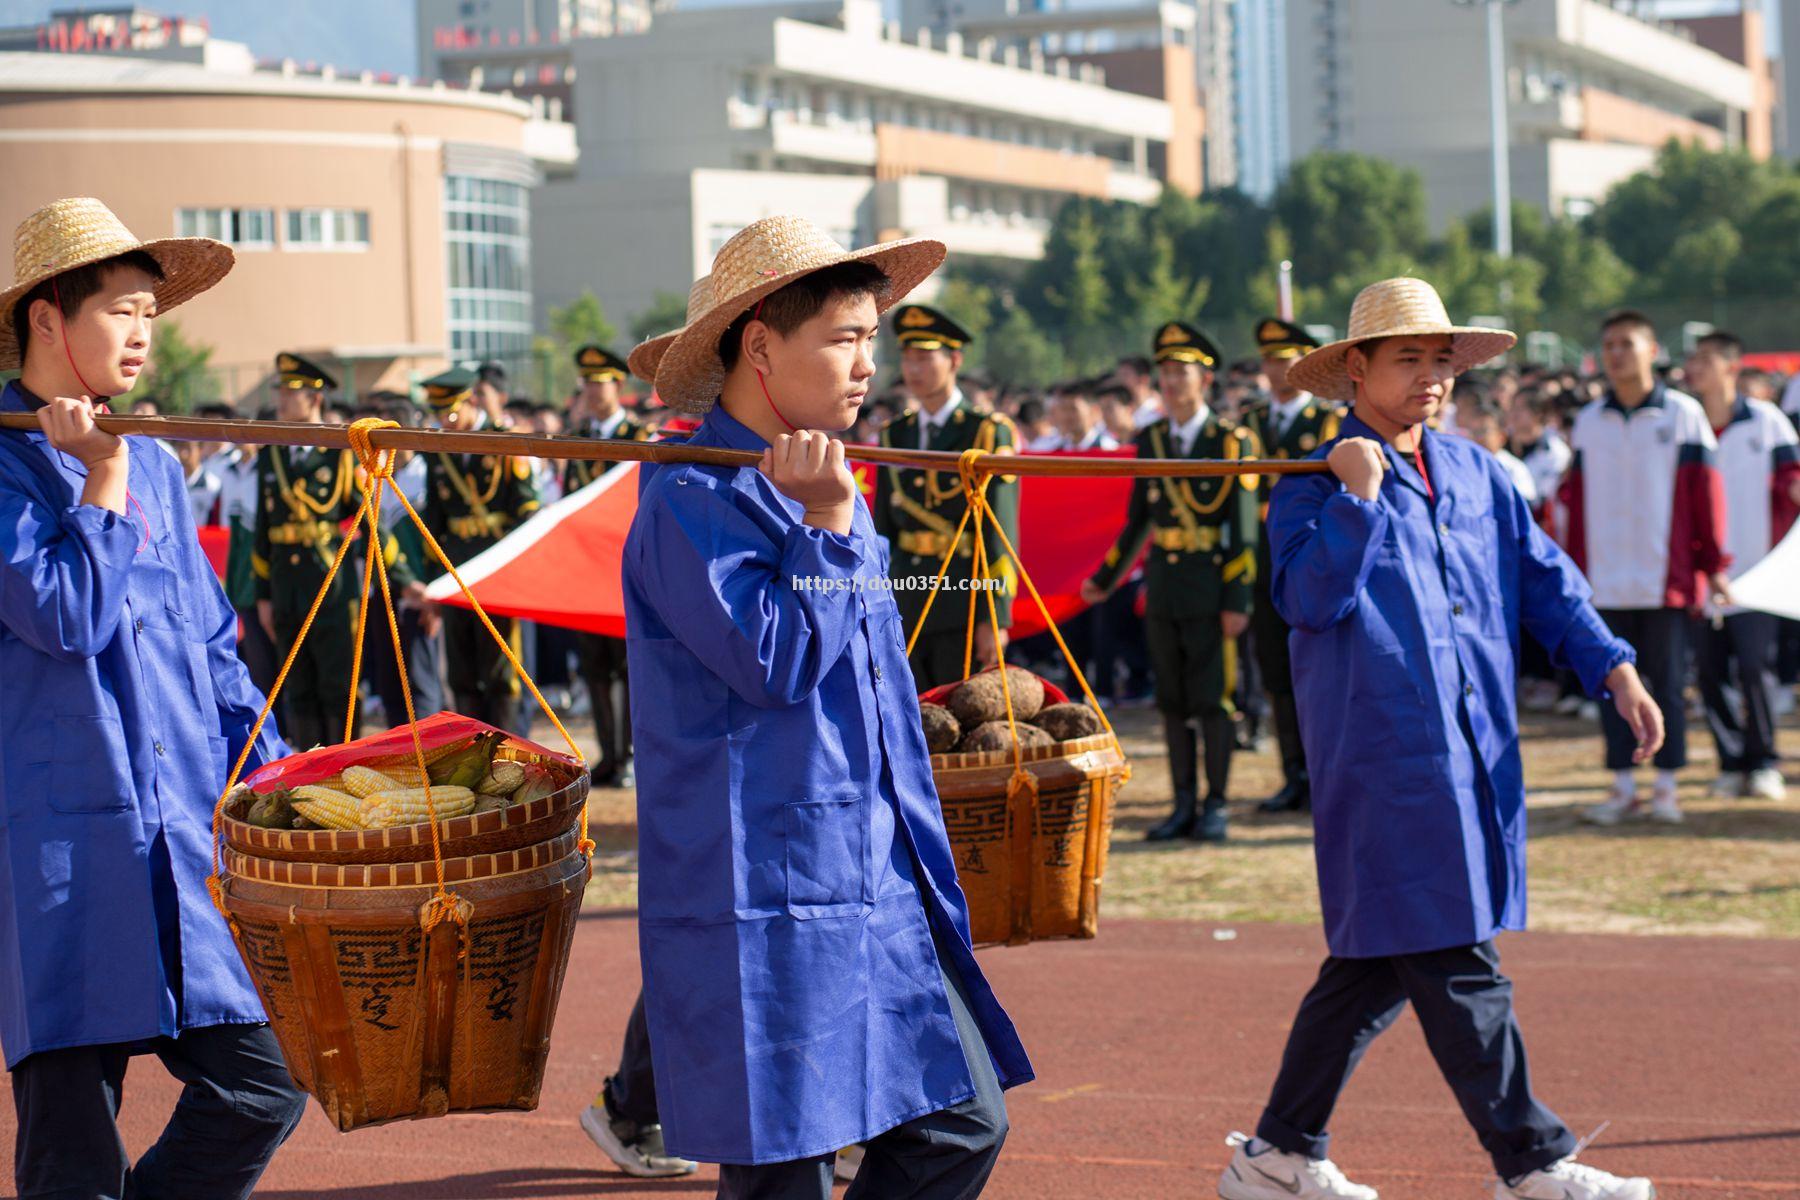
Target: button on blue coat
{"points": [[784, 794], [122, 702], [1406, 618]]}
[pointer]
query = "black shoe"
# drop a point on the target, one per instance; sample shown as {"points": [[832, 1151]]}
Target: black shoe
{"points": [[1211, 827], [1179, 823], [1291, 798]]}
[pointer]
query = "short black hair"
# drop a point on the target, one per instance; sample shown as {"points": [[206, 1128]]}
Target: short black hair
{"points": [[1539, 404], [493, 373], [788, 308], [1628, 316], [1031, 410], [1727, 345], [215, 411], [71, 289], [1137, 362]]}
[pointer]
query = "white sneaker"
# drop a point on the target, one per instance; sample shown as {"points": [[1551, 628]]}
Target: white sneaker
{"points": [[1784, 701], [1612, 810], [1729, 785], [635, 1149], [1766, 783], [1570, 1180], [1589, 711], [1568, 706], [1664, 807], [1277, 1175]]}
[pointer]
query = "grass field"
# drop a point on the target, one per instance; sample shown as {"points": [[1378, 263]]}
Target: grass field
{"points": [[1733, 869]]}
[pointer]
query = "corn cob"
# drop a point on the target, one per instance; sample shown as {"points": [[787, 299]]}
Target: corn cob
{"points": [[327, 806], [503, 778], [363, 782], [387, 762], [385, 810]]}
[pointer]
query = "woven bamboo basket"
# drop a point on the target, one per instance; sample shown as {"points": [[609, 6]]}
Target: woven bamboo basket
{"points": [[382, 1021], [1032, 870], [481, 833]]}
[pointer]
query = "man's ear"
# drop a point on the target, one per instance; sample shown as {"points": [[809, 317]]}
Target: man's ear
{"points": [[1356, 364], [754, 349], [956, 362], [43, 321]]}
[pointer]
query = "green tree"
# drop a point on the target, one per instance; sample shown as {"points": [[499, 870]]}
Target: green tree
{"points": [[179, 377], [1689, 187], [1771, 233], [1582, 277], [1350, 214], [576, 324], [1081, 301], [970, 304], [1021, 353], [667, 311]]}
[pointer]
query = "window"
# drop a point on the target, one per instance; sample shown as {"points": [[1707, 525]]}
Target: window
{"points": [[327, 229], [488, 250], [245, 228]]}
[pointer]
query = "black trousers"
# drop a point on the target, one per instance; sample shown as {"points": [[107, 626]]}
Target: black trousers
{"points": [[256, 651], [1119, 647], [603, 664], [483, 684], [1736, 660], [945, 1155], [632, 1090], [1660, 637], [937, 657], [1465, 1007], [424, 664], [237, 1109], [315, 696]]}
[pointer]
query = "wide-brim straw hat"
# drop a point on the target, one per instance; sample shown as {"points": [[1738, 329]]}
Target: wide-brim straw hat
{"points": [[647, 356], [760, 259], [81, 230], [1394, 308]]}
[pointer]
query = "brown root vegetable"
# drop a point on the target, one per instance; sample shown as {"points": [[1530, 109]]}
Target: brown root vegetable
{"points": [[1066, 721], [982, 698], [942, 729], [997, 735], [489, 803]]}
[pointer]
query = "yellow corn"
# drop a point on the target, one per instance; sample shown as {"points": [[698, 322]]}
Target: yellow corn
{"points": [[363, 782], [327, 807], [384, 810], [387, 762], [503, 778]]}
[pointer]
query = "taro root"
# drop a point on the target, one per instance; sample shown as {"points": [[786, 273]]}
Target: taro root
{"points": [[981, 698], [1066, 721], [942, 730], [997, 735]]}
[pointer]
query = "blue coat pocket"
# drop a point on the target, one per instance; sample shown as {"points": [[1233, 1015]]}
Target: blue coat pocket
{"points": [[88, 769], [827, 857]]}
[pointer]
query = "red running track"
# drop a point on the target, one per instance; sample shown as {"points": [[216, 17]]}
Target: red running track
{"points": [[1158, 1039]]}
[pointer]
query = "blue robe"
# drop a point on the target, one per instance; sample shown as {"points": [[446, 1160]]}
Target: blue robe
{"points": [[122, 704], [784, 795], [1406, 618]]}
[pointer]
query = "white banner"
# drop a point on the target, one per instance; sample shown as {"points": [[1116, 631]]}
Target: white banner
{"points": [[1773, 585]]}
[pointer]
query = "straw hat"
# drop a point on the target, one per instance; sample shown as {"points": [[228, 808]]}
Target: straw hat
{"points": [[648, 355], [1394, 308], [760, 259], [75, 232]]}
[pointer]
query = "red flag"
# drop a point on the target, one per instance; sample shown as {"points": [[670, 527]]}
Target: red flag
{"points": [[562, 566]]}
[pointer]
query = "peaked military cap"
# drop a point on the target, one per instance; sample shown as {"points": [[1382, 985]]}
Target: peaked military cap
{"points": [[1180, 342], [450, 389], [929, 329], [1277, 338], [295, 371], [597, 362]]}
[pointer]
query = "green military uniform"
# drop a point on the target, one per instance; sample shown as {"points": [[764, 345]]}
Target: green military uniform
{"points": [[471, 502], [307, 499], [1202, 537], [918, 512], [603, 658], [1291, 434]]}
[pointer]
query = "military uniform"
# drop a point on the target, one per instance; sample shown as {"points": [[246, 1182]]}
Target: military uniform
{"points": [[1295, 435], [1202, 537], [603, 658], [307, 501], [471, 502], [918, 512]]}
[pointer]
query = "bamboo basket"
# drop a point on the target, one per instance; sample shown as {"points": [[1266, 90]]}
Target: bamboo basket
{"points": [[480, 833], [1031, 869], [382, 1020]]}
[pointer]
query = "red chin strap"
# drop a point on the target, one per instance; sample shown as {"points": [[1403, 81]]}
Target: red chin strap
{"points": [[56, 292], [764, 383]]}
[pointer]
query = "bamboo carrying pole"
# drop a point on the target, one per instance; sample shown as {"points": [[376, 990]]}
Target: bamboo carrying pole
{"points": [[291, 433]]}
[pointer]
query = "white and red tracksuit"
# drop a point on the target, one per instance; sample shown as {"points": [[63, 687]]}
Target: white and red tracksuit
{"points": [[1645, 506]]}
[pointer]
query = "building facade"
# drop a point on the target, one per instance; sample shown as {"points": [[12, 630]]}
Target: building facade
{"points": [[1594, 92], [380, 228], [825, 110], [1264, 141]]}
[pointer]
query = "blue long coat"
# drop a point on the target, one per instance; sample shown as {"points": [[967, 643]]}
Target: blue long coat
{"points": [[1405, 644], [784, 790], [121, 700]]}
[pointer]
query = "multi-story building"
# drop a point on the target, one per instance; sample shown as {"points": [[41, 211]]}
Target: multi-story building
{"points": [[826, 111], [518, 45], [1790, 78], [380, 228], [1264, 145], [1594, 91]]}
